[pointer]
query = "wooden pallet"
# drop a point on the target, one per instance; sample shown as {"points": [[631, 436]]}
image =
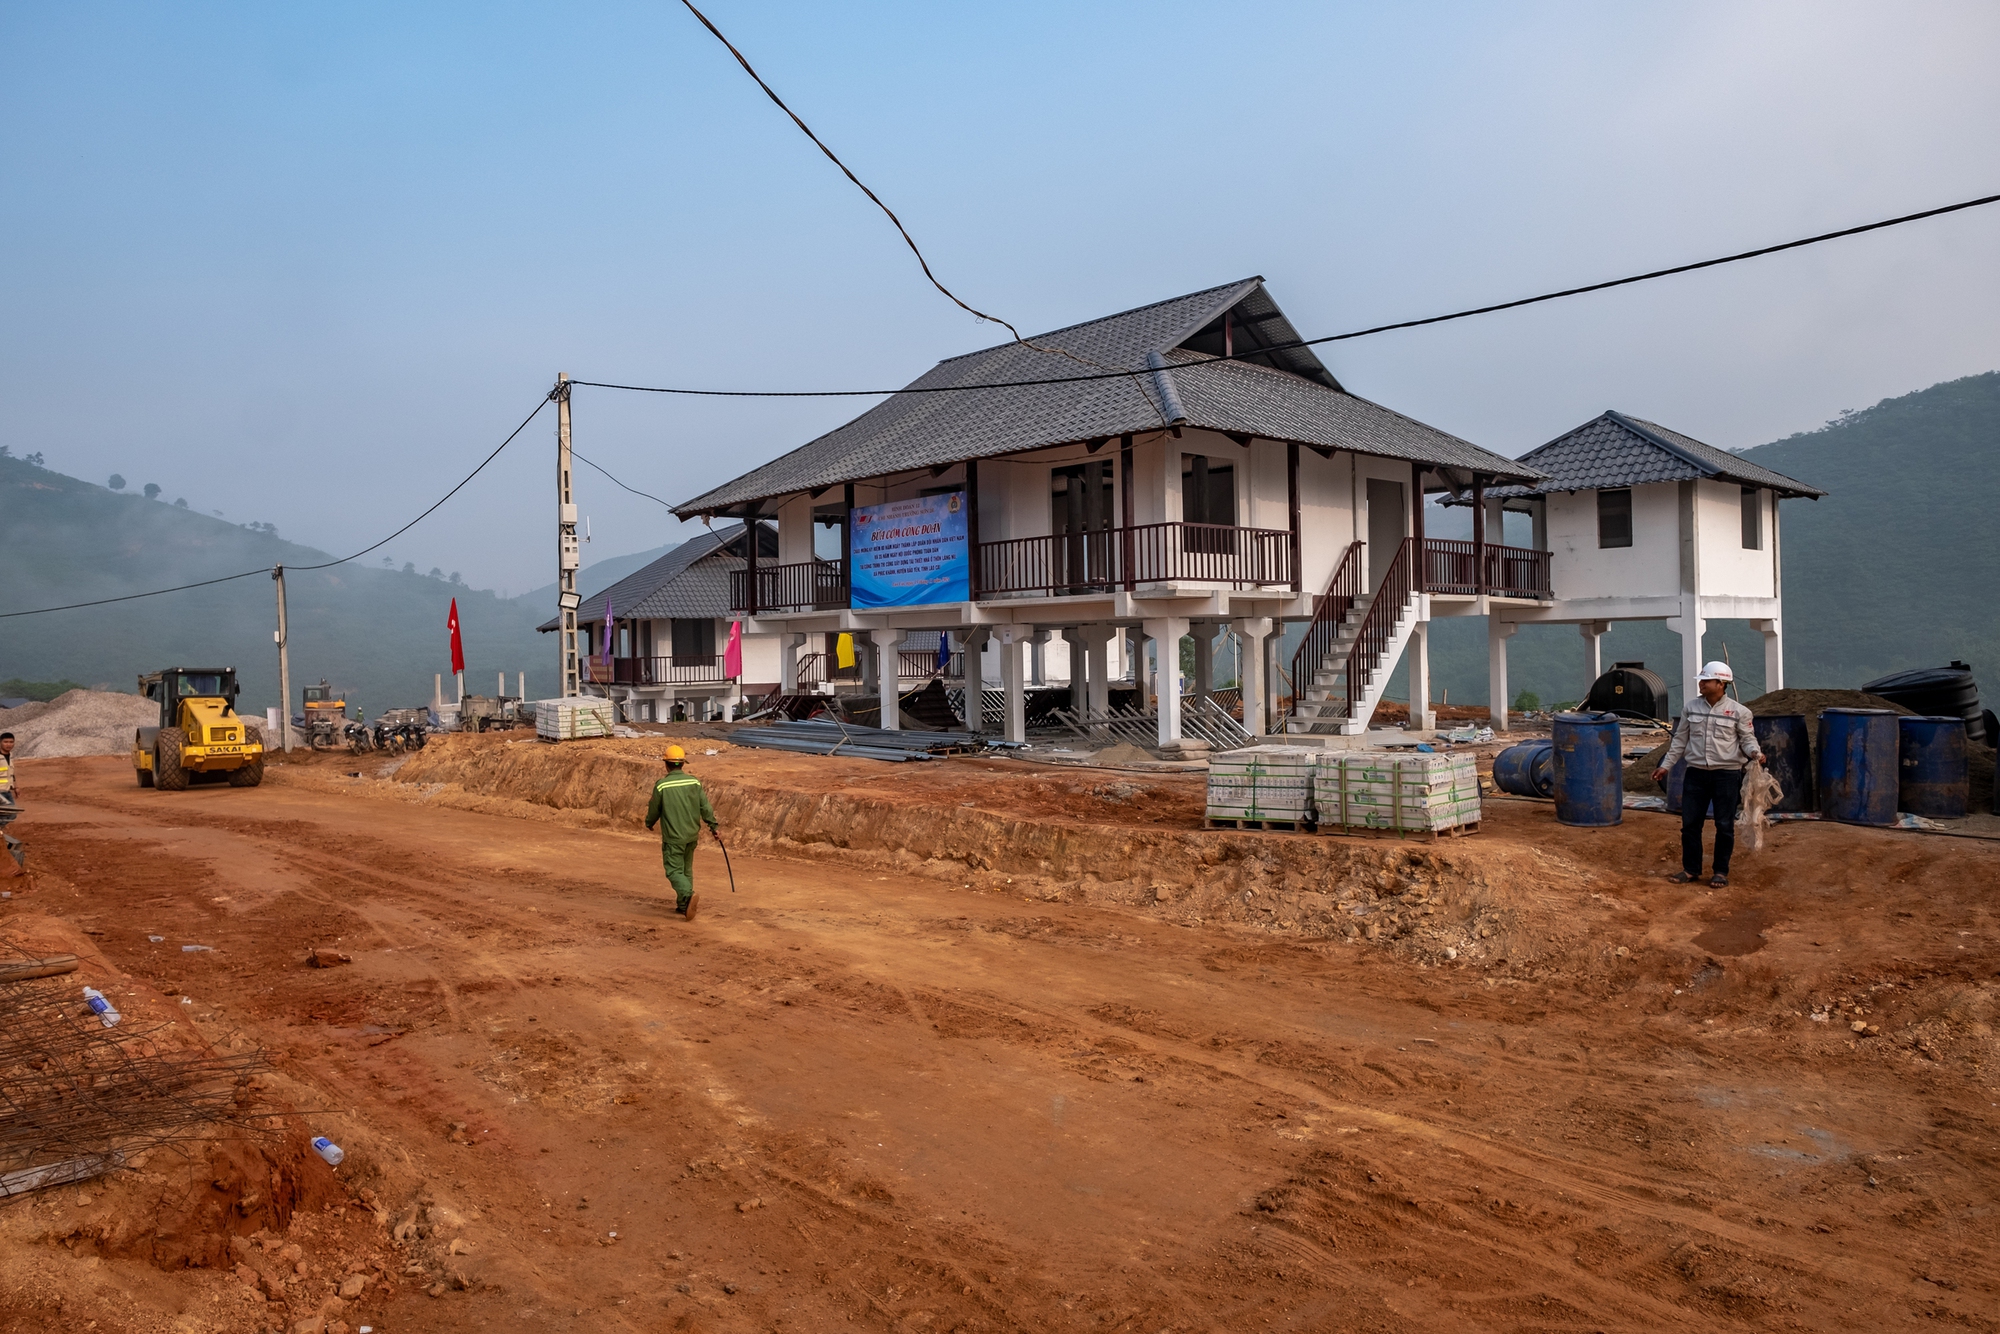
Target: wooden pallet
{"points": [[1266, 826], [1455, 831]]}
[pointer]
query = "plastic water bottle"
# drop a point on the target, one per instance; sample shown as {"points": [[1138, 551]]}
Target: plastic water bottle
{"points": [[101, 1006], [328, 1150]]}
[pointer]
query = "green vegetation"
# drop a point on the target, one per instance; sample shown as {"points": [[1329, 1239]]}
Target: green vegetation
{"points": [[1527, 702], [15, 688]]}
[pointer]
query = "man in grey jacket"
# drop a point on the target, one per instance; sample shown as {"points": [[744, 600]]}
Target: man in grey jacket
{"points": [[1716, 739]]}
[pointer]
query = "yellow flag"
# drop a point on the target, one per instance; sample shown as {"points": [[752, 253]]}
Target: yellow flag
{"points": [[843, 651]]}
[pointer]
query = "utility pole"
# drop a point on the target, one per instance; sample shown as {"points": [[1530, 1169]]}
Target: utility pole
{"points": [[569, 554], [284, 666]]}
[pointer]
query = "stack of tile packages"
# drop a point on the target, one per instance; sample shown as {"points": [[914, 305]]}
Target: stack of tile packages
{"points": [[1402, 791], [1261, 787]]}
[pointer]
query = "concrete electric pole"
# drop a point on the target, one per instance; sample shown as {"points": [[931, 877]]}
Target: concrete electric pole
{"points": [[569, 554], [284, 666]]}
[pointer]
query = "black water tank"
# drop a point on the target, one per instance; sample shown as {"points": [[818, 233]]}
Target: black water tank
{"points": [[1628, 689], [1937, 692]]}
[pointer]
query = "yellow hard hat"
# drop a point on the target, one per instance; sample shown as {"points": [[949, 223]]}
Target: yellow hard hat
{"points": [[673, 755]]}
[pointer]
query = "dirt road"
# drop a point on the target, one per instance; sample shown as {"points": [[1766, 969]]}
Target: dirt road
{"points": [[847, 1097]]}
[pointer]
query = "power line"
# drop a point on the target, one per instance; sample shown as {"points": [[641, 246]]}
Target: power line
{"points": [[833, 158], [1329, 338], [324, 565], [614, 481]]}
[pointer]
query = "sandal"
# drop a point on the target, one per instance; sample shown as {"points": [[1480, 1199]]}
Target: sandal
{"points": [[1719, 882], [1680, 878]]}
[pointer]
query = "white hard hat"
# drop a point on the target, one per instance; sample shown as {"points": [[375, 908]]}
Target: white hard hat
{"points": [[1716, 671]]}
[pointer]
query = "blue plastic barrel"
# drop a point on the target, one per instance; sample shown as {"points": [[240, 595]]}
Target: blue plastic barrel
{"points": [[1676, 785], [1589, 775], [1527, 769], [1932, 775], [1857, 766], [1787, 745]]}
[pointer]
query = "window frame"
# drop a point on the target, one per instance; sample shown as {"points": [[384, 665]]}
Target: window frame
{"points": [[1752, 501], [1607, 540]]}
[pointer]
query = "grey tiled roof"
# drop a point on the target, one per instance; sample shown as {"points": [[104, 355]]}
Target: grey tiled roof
{"points": [[691, 581], [1302, 402], [1617, 450]]}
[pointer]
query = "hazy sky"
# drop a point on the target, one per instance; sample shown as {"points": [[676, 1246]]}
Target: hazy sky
{"points": [[307, 264]]}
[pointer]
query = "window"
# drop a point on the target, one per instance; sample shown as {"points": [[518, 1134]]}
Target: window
{"points": [[693, 639], [1753, 519], [1208, 490], [1614, 518]]}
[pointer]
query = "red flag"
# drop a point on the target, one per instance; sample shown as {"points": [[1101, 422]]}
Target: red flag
{"points": [[457, 646], [732, 652]]}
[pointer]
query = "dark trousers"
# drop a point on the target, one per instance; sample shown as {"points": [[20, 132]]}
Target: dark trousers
{"points": [[1722, 788]]}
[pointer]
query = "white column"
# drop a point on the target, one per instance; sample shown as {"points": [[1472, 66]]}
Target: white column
{"points": [[1166, 635], [1079, 684], [1204, 660], [1097, 643], [1593, 633], [975, 680], [1420, 677], [1690, 626], [888, 667], [1012, 680], [1773, 631], [1498, 632], [1251, 632], [1038, 658]]}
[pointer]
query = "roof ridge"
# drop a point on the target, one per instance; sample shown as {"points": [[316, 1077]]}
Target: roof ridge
{"points": [[1254, 279], [1650, 432]]}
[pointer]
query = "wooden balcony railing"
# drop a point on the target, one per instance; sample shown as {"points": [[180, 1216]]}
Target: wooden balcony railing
{"points": [[1074, 563], [680, 669], [1515, 572], [814, 585]]}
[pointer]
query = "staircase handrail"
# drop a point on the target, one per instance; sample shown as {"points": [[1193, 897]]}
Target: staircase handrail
{"points": [[1378, 627], [1330, 610]]}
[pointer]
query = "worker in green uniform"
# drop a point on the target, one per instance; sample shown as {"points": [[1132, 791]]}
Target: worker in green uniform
{"points": [[680, 808]]}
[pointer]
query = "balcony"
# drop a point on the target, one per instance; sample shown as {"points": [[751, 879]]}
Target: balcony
{"points": [[1072, 564], [1511, 572], [814, 585], [681, 669]]}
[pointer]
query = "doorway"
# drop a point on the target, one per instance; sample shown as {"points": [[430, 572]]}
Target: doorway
{"points": [[1080, 509], [1388, 525]]}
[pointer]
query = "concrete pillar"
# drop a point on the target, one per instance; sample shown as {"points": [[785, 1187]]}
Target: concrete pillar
{"points": [[1498, 632], [1079, 684], [1166, 634], [868, 655], [1593, 633], [1204, 660], [788, 662], [1038, 658], [1773, 631], [1421, 718], [1013, 640], [1251, 662], [975, 680], [888, 686], [1097, 644], [1690, 626]]}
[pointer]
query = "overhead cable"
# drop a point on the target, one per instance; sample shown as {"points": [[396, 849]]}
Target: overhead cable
{"points": [[1314, 342], [323, 565], [834, 158]]}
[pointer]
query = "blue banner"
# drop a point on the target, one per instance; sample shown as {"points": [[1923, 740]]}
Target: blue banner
{"points": [[910, 552]]}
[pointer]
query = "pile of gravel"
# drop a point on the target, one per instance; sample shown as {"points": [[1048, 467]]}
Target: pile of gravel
{"points": [[80, 722]]}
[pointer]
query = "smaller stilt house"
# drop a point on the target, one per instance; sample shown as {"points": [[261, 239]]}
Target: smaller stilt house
{"points": [[654, 641], [1642, 523]]}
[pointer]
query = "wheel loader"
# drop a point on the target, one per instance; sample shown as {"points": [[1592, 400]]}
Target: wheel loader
{"points": [[200, 737]]}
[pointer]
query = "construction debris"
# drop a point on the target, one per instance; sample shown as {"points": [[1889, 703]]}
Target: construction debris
{"points": [[326, 958], [78, 722], [868, 743]]}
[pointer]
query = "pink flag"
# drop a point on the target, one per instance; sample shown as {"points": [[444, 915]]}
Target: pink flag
{"points": [[732, 652]]}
